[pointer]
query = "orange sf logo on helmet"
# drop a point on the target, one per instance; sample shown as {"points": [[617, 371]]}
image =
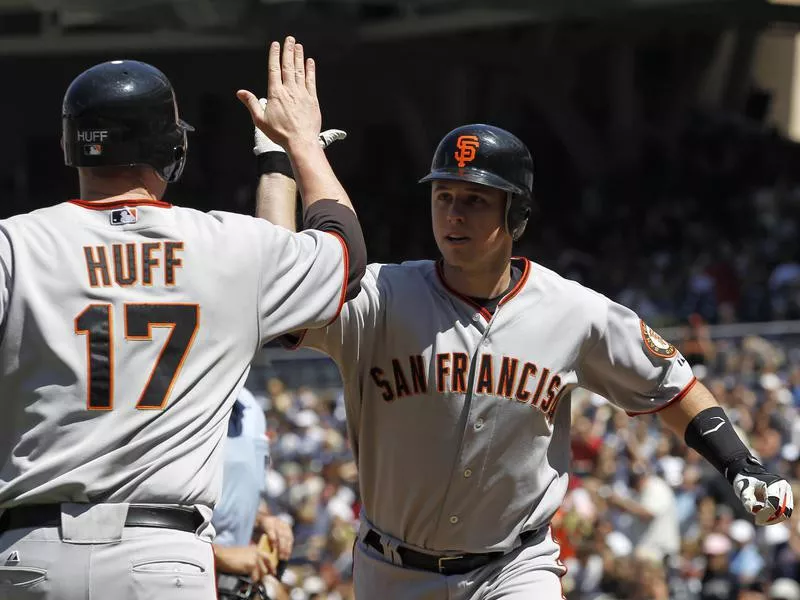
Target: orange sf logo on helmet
{"points": [[467, 149]]}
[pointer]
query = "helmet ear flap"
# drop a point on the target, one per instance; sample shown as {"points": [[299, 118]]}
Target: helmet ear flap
{"points": [[518, 211], [523, 223], [173, 171]]}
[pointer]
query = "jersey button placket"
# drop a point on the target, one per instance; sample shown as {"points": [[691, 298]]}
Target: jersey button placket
{"points": [[459, 487], [467, 473], [479, 423]]}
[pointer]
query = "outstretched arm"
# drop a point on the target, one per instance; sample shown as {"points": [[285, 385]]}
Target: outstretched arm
{"points": [[636, 369], [705, 427], [679, 415], [292, 119], [277, 191]]}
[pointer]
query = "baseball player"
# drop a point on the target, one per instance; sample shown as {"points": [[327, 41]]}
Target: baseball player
{"points": [[458, 375], [128, 326]]}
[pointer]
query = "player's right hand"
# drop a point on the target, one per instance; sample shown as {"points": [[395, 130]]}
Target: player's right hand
{"points": [[291, 116], [262, 144], [243, 560]]}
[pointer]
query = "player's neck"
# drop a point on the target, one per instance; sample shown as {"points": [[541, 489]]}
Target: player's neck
{"points": [[489, 280], [134, 194], [115, 189]]}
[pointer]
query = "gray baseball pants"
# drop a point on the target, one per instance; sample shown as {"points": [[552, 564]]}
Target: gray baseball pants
{"points": [[95, 557]]}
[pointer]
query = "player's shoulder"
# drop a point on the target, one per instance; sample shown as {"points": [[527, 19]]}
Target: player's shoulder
{"points": [[39, 227], [224, 224], [401, 275], [568, 293], [220, 218], [393, 282], [409, 268], [554, 282], [47, 214], [258, 226]]}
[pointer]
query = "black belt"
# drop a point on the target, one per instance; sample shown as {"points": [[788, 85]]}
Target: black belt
{"points": [[446, 565], [49, 515]]}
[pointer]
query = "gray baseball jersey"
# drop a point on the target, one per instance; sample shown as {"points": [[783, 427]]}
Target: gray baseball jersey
{"points": [[127, 331], [460, 419]]}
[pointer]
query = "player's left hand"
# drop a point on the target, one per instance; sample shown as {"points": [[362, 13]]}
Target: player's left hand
{"points": [[766, 496], [279, 534]]}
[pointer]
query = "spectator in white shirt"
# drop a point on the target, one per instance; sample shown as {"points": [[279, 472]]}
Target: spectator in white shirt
{"points": [[655, 532]]}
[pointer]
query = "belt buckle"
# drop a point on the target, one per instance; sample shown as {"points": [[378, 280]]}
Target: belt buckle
{"points": [[444, 558]]}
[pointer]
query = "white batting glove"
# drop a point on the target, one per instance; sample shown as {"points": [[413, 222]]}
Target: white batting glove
{"points": [[264, 144], [766, 496], [327, 137]]}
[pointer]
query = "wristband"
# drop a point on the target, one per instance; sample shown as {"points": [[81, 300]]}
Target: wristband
{"points": [[712, 435], [275, 162]]}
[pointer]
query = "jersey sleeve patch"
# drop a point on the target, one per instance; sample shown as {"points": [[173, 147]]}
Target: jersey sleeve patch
{"points": [[655, 343]]}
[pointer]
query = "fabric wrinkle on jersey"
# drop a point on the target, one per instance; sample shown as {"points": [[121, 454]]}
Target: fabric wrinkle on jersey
{"points": [[474, 408], [242, 280]]}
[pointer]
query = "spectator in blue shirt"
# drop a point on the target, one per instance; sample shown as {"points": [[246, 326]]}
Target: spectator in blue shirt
{"points": [[239, 512]]}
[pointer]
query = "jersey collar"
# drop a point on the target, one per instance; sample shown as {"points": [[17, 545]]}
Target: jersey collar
{"points": [[106, 204], [526, 269]]}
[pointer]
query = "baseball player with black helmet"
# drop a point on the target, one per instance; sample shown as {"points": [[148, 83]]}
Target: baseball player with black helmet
{"points": [[458, 375], [127, 328]]}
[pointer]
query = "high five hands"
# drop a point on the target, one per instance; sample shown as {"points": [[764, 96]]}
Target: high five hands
{"points": [[291, 116]]}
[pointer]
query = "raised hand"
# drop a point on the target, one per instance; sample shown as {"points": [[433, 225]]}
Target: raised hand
{"points": [[291, 115], [262, 144]]}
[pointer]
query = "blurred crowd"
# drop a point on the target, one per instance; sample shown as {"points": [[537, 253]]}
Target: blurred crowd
{"points": [[644, 518], [673, 261], [711, 230], [312, 483], [647, 519]]}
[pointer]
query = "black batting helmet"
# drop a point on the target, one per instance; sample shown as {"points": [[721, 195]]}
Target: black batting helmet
{"points": [[123, 113], [489, 156]]}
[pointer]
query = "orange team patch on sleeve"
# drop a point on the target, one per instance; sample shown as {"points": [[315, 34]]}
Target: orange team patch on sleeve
{"points": [[655, 343]]}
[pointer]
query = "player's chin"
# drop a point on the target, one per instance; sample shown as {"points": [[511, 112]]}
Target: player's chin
{"points": [[457, 255], [450, 249]]}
